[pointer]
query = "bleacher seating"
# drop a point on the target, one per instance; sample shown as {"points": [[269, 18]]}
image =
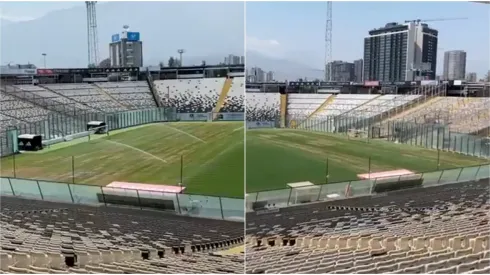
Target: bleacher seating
{"points": [[49, 237], [235, 100], [136, 94], [12, 107], [437, 229], [381, 104], [464, 114], [262, 106], [303, 105], [344, 103], [89, 95], [43, 93], [191, 95]]}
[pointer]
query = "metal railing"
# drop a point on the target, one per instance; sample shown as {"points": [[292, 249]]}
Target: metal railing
{"points": [[331, 191], [185, 204], [58, 125], [431, 136]]}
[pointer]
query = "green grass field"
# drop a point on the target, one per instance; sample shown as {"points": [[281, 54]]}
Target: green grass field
{"points": [[275, 157], [212, 155]]}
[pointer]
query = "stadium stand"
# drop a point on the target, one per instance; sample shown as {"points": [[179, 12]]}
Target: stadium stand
{"points": [[235, 99], [52, 237], [305, 105], [436, 229], [41, 92], [88, 94], [20, 110], [191, 95], [135, 94], [262, 106], [464, 114]]}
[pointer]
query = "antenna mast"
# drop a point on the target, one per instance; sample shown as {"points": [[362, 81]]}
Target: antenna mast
{"points": [[92, 36], [328, 43]]}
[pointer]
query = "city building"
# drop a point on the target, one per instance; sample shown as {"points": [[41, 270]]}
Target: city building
{"points": [[234, 60], [358, 70], [269, 77], [401, 52], [256, 75], [454, 65], [126, 49], [341, 71], [471, 77]]}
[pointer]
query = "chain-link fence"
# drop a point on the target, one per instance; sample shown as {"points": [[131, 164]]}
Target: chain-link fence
{"points": [[433, 136], [58, 125], [187, 204], [339, 190]]}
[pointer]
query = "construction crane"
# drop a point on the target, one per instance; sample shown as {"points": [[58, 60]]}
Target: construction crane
{"points": [[92, 36], [328, 43], [434, 20]]}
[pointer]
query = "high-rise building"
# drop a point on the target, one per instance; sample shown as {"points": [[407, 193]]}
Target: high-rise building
{"points": [[341, 71], [400, 52], [256, 75], [454, 65], [234, 60], [269, 76], [358, 70], [126, 49], [471, 77]]}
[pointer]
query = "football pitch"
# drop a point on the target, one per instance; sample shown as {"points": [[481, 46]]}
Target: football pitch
{"points": [[211, 153], [275, 157]]}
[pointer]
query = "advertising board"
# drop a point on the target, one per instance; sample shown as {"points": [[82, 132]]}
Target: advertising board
{"points": [[231, 116], [371, 83], [429, 82], [193, 116], [133, 36], [260, 124], [115, 38]]}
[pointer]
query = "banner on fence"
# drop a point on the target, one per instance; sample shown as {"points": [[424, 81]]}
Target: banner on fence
{"points": [[194, 116], [260, 124], [230, 116]]}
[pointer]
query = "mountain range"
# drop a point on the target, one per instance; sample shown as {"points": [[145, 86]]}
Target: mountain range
{"points": [[284, 69]]}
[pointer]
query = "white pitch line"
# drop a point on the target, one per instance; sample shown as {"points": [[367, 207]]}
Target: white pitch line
{"points": [[185, 133], [238, 129], [134, 148]]}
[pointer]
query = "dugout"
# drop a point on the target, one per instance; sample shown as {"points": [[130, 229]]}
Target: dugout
{"points": [[99, 127], [28, 142]]}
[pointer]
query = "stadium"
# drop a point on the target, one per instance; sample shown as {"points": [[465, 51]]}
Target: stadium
{"points": [[123, 170], [367, 178]]}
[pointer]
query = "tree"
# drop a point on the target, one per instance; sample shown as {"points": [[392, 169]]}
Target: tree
{"points": [[161, 64], [171, 62], [106, 63], [203, 63]]}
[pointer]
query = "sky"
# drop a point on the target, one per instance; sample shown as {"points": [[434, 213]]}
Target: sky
{"points": [[296, 30], [206, 30], [22, 11]]}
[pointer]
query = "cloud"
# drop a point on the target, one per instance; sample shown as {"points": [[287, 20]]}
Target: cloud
{"points": [[270, 47]]}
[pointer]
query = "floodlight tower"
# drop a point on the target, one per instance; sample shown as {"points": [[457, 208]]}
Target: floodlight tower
{"points": [[328, 43], [92, 37], [180, 51]]}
